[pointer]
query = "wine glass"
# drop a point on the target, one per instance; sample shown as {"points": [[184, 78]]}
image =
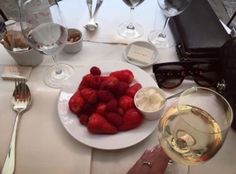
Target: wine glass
{"points": [[131, 30], [194, 128], [170, 8], [43, 26]]}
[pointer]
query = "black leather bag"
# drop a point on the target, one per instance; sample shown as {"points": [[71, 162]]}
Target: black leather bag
{"points": [[198, 32], [228, 64]]}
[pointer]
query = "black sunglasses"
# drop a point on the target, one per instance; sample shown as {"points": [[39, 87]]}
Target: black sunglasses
{"points": [[170, 75]]}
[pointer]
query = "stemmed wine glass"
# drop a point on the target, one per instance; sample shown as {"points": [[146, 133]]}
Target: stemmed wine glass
{"points": [[170, 8], [194, 128], [131, 30], [43, 26]]}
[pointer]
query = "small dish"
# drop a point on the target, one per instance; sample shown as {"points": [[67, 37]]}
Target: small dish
{"points": [[74, 41], [19, 50], [29, 57], [150, 101], [144, 60]]}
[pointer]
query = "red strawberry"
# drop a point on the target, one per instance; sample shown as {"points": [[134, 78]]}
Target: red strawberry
{"points": [[126, 102], [103, 77], [101, 108], [89, 95], [83, 119], [120, 111], [131, 91], [91, 81], [114, 119], [123, 75], [131, 120], [86, 81], [105, 95], [88, 108], [76, 103], [110, 83], [96, 82], [122, 88], [95, 70], [98, 124], [112, 105]]}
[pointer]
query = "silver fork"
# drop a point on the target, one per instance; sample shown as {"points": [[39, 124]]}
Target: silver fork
{"points": [[21, 101]]}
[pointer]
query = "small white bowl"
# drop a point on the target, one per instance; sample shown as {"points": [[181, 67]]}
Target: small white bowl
{"points": [[144, 45], [74, 42], [29, 57], [150, 101], [22, 54]]}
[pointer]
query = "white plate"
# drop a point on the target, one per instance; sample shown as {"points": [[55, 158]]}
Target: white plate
{"points": [[100, 141], [145, 45]]}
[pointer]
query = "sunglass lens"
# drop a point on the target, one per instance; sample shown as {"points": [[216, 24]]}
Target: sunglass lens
{"points": [[206, 75], [169, 76]]}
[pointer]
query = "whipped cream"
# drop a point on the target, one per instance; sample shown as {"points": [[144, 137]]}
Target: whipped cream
{"points": [[149, 99]]}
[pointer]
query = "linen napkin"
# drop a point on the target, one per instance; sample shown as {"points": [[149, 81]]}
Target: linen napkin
{"points": [[43, 145]]}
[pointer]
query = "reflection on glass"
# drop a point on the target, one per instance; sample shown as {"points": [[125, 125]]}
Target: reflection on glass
{"points": [[131, 30], [43, 26]]}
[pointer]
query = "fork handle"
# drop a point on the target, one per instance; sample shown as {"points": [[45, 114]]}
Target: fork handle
{"points": [[9, 164], [98, 5]]}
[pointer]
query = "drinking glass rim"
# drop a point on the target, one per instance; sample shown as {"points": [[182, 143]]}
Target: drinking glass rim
{"points": [[230, 118]]}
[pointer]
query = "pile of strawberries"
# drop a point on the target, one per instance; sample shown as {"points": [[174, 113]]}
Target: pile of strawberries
{"points": [[104, 103]]}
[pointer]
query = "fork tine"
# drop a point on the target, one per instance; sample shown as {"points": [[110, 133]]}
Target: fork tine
{"points": [[24, 89], [18, 90], [16, 95], [21, 91]]}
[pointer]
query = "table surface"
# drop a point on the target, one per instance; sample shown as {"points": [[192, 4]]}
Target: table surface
{"points": [[43, 145]]}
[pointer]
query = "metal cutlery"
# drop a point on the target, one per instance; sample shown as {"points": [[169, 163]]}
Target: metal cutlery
{"points": [[90, 8], [174, 95], [21, 101], [92, 25]]}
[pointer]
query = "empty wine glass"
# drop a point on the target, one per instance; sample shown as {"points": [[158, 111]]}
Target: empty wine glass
{"points": [[43, 26], [170, 8], [131, 30], [194, 128]]}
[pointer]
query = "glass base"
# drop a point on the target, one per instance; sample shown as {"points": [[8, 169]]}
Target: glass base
{"points": [[133, 33], [160, 42], [175, 168], [56, 75]]}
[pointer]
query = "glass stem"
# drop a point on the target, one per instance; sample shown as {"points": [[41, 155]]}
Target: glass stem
{"points": [[58, 70], [155, 19], [131, 25], [162, 34], [188, 170]]}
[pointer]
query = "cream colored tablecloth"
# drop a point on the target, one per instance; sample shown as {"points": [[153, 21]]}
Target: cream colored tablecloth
{"points": [[43, 145]]}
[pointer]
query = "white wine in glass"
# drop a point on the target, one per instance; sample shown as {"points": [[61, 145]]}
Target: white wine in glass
{"points": [[43, 26], [194, 128], [131, 30], [169, 8]]}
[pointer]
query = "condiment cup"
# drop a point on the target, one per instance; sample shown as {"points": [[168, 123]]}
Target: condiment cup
{"points": [[151, 102], [27, 57], [74, 41], [19, 50]]}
